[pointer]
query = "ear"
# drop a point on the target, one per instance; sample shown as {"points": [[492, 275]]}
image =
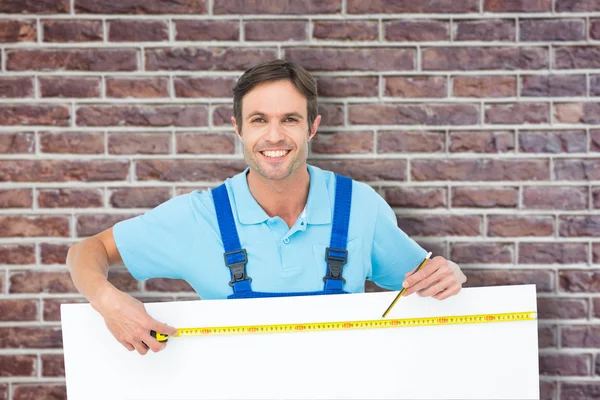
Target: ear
{"points": [[315, 126], [237, 129]]}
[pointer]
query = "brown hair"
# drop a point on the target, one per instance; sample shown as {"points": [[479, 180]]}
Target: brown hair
{"points": [[276, 70]]}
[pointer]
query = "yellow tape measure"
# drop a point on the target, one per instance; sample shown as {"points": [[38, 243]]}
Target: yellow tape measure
{"points": [[351, 325]]}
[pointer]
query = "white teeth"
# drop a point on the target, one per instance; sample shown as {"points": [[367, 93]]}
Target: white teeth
{"points": [[275, 153]]}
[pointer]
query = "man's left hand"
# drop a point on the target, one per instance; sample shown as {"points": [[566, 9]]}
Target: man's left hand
{"points": [[438, 278]]}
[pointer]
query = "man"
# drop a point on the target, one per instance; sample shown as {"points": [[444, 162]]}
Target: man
{"points": [[281, 227]]}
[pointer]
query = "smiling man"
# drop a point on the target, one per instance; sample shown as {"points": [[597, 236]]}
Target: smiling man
{"points": [[279, 228]]}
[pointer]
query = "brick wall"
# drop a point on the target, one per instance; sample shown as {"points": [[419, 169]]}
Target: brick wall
{"points": [[478, 120]]}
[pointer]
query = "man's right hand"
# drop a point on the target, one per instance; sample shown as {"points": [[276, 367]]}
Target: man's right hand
{"points": [[128, 321]]}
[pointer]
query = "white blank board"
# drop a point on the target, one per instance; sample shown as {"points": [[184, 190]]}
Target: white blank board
{"points": [[481, 361]]}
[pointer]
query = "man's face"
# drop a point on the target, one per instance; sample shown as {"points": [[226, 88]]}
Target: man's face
{"points": [[274, 129]]}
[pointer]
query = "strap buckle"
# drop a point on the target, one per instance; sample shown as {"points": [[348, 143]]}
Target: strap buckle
{"points": [[335, 263], [237, 267]]}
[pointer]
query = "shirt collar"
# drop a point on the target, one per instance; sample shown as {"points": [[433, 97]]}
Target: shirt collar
{"points": [[318, 205]]}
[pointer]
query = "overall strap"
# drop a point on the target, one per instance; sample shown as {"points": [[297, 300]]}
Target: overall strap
{"points": [[336, 254], [235, 257]]}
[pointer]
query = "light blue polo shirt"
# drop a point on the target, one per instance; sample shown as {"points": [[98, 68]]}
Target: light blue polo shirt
{"points": [[180, 239]]}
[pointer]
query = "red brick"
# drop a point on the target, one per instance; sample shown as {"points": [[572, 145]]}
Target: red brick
{"points": [[577, 5], [39, 391], [146, 115], [594, 140], [485, 30], [586, 225], [187, 29], [517, 5], [71, 60], [72, 198], [552, 141], [552, 253], [4, 391], [123, 280], [17, 365], [543, 279], [368, 170], [69, 87], [562, 308], [34, 114], [17, 254], [484, 86], [341, 86], [482, 142], [137, 87], [596, 197], [480, 170], [52, 307], [565, 364], [88, 225], [255, 30], [21, 142], [416, 30], [441, 225], [206, 59], [357, 59], [18, 310], [558, 198], [137, 31], [72, 142], [72, 31], [135, 7], [585, 113], [331, 114], [16, 198], [437, 246], [413, 114], [35, 7], [354, 30], [551, 29], [485, 197], [547, 337], [139, 143], [343, 142], [53, 365], [16, 87], [17, 30], [416, 197], [139, 197], [520, 226], [566, 57], [484, 58], [486, 253], [584, 169], [32, 226], [222, 116], [203, 87], [63, 170], [410, 142], [409, 6], [187, 170], [517, 113], [596, 303], [53, 253], [167, 285], [30, 337], [416, 86], [205, 143], [577, 281], [579, 390], [277, 7], [553, 85], [41, 282]]}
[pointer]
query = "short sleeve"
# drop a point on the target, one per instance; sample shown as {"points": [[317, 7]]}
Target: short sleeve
{"points": [[157, 244], [394, 253]]}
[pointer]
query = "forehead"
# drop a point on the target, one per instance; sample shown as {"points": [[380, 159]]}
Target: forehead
{"points": [[274, 98]]}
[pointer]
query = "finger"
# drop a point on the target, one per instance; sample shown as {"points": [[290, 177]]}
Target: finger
{"points": [[163, 328], [452, 291], [428, 269], [428, 281], [152, 343], [438, 287], [140, 347], [128, 346]]}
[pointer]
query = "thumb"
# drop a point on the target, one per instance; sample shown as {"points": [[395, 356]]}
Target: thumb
{"points": [[163, 328]]}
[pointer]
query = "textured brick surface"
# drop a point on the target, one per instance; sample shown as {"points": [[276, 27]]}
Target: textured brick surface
{"points": [[476, 120]]}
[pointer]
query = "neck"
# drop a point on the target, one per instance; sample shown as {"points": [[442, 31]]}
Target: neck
{"points": [[284, 198]]}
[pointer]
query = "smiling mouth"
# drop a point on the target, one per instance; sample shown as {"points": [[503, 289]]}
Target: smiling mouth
{"points": [[274, 154]]}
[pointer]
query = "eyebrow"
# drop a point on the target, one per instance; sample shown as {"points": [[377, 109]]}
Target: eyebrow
{"points": [[286, 115]]}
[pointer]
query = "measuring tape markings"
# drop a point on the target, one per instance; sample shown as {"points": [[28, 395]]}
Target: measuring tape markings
{"points": [[351, 325]]}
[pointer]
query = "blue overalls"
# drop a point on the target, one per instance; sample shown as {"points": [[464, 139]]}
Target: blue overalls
{"points": [[336, 254]]}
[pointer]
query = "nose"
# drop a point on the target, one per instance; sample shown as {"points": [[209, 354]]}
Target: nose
{"points": [[275, 133]]}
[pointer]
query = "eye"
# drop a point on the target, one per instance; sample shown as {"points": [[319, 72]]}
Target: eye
{"points": [[259, 119], [290, 119]]}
